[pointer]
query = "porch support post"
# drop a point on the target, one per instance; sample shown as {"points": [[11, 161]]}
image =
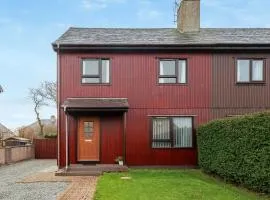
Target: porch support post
{"points": [[66, 116], [124, 136]]}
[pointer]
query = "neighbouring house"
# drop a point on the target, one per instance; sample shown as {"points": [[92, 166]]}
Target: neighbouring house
{"points": [[8, 138], [4, 134], [141, 93], [32, 131]]}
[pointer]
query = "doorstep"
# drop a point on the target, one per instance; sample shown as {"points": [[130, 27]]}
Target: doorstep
{"points": [[90, 170]]}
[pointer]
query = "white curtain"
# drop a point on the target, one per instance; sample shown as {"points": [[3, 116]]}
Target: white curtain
{"points": [[161, 131], [182, 131]]}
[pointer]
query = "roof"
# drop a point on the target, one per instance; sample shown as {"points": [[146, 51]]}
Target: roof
{"points": [[163, 36], [44, 122], [96, 104], [18, 138], [5, 132]]}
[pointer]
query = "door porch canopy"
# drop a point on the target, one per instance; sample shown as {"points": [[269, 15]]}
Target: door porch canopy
{"points": [[95, 104]]}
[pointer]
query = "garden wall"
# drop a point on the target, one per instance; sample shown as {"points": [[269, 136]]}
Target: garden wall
{"points": [[10, 155]]}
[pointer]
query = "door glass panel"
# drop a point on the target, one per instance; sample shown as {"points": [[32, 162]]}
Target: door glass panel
{"points": [[88, 130]]}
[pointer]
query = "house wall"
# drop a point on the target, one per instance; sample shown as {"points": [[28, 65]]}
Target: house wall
{"points": [[134, 76], [230, 98]]}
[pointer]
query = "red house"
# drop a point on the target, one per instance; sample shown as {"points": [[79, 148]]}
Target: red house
{"points": [[141, 93]]}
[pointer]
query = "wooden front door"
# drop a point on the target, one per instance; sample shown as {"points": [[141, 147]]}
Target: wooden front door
{"points": [[88, 139]]}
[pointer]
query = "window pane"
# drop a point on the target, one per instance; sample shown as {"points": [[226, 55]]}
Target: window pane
{"points": [[161, 145], [90, 80], [182, 71], [167, 80], [182, 130], [167, 67], [105, 71], [161, 131], [257, 70], [90, 67], [243, 71]]}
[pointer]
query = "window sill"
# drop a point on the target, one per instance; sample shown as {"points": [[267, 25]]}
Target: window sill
{"points": [[172, 84], [172, 148], [96, 84], [251, 83]]}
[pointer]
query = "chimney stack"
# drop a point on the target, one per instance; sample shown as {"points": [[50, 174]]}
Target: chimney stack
{"points": [[188, 16]]}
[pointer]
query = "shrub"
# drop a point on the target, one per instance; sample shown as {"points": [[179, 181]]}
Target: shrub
{"points": [[238, 150]]}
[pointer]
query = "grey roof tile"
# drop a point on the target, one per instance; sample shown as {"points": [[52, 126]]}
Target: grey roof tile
{"points": [[163, 36]]}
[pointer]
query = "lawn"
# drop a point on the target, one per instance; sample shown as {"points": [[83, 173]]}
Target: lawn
{"points": [[168, 185]]}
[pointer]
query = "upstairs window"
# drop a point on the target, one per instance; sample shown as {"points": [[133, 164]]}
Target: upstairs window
{"points": [[96, 71], [250, 71], [172, 132], [172, 71]]}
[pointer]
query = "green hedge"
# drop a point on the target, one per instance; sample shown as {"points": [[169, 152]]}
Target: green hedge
{"points": [[238, 150]]}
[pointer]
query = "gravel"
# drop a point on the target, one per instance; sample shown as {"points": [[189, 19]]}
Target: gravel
{"points": [[9, 175]]}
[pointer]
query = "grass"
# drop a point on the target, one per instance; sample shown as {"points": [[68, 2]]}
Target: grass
{"points": [[168, 185]]}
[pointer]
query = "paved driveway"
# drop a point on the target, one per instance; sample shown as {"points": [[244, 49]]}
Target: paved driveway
{"points": [[9, 175]]}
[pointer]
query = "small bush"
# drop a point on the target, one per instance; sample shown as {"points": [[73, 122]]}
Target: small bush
{"points": [[238, 150]]}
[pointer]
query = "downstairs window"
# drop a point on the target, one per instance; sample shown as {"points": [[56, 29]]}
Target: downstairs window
{"points": [[172, 132]]}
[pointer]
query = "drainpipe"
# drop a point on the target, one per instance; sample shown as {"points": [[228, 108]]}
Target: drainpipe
{"points": [[66, 116], [124, 137], [58, 105]]}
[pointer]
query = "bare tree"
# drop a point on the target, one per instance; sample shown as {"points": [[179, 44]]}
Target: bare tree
{"points": [[1, 89], [48, 91], [38, 99]]}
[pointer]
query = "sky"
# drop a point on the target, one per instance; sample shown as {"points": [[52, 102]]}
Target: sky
{"points": [[28, 27]]}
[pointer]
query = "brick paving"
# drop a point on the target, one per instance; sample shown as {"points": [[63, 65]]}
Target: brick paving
{"points": [[80, 188]]}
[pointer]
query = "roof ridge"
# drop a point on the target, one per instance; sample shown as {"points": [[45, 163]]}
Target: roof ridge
{"points": [[128, 28]]}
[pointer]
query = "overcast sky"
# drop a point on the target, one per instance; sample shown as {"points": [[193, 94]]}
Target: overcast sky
{"points": [[27, 28]]}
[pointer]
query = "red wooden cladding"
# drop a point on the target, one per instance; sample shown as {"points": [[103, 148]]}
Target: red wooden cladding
{"points": [[111, 138], [45, 148], [135, 76], [230, 98]]}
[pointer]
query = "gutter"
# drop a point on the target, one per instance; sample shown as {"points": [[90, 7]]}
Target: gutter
{"points": [[73, 47]]}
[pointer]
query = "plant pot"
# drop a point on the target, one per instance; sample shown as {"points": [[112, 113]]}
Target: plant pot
{"points": [[120, 162]]}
